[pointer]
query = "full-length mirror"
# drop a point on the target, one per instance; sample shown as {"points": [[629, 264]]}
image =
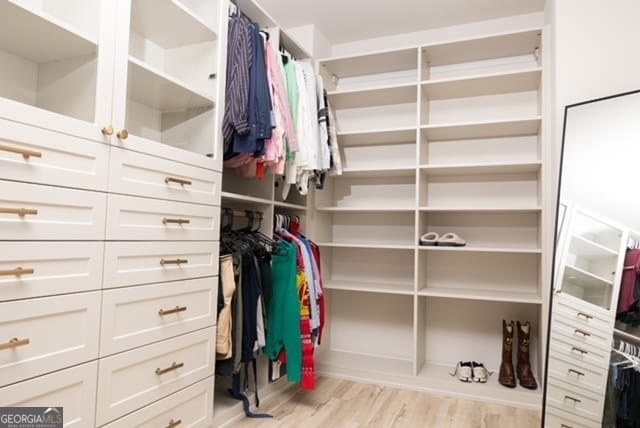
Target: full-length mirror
{"points": [[593, 366]]}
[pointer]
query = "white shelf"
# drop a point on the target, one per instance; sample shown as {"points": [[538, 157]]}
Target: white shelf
{"points": [[369, 287], [157, 89], [280, 204], [485, 295], [482, 210], [169, 23], [487, 129], [335, 362], [470, 169], [39, 37], [484, 84], [471, 249], [377, 136], [244, 198], [374, 96], [584, 247], [378, 172], [585, 279], [478, 49], [372, 63], [365, 246], [366, 209]]}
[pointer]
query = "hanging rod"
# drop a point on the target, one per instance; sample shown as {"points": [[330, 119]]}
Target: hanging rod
{"points": [[242, 213]]}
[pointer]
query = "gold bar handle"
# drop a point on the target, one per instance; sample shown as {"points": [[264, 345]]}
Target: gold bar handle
{"points": [[575, 400], [174, 366], [173, 261], [565, 426], [17, 272], [582, 333], [177, 309], [173, 423], [24, 152], [175, 220], [576, 372], [180, 181], [585, 316], [14, 343], [19, 211], [581, 351]]}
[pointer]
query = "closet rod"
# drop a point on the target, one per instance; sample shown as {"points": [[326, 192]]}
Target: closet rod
{"points": [[242, 213], [621, 334]]}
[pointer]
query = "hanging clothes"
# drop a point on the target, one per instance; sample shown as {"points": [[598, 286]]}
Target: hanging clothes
{"points": [[623, 392]]}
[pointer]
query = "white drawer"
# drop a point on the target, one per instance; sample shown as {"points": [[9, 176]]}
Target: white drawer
{"points": [[191, 407], [578, 351], [131, 218], [61, 331], [582, 313], [136, 316], [582, 375], [556, 418], [587, 335], [73, 389], [580, 403], [130, 380], [133, 173], [133, 263], [35, 269], [64, 160], [54, 213]]}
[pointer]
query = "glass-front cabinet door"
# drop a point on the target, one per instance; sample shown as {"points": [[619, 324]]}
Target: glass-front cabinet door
{"points": [[167, 56], [56, 64]]}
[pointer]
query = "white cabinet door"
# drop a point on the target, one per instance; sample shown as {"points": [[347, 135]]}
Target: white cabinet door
{"points": [[36, 155], [138, 316], [134, 173], [72, 389], [133, 379], [189, 408], [32, 212], [41, 335], [57, 64], [36, 269], [131, 218]]}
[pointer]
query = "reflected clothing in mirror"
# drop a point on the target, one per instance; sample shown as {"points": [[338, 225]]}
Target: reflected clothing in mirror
{"points": [[623, 395]]}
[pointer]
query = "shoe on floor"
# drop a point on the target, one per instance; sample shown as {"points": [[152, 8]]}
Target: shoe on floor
{"points": [[463, 371]]}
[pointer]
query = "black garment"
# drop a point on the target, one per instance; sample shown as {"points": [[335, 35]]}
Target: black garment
{"points": [[251, 290], [266, 278], [220, 297]]}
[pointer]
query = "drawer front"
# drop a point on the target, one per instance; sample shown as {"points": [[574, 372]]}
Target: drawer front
{"points": [[584, 404], [52, 333], [582, 314], [189, 408], [36, 269], [131, 218], [586, 335], [134, 263], [134, 173], [50, 213], [579, 352], [133, 379], [36, 155], [138, 316], [584, 376], [556, 418], [72, 389]]}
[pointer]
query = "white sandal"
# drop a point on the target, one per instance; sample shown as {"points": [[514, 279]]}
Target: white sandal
{"points": [[480, 373], [451, 240], [429, 239], [463, 372]]}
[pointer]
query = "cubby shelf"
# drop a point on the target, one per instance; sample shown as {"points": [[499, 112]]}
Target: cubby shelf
{"points": [[485, 295], [468, 169], [21, 26], [369, 287], [585, 279], [377, 136], [280, 204], [471, 249], [372, 96], [487, 210], [482, 129], [372, 63], [366, 209], [365, 245], [378, 172], [244, 198]]}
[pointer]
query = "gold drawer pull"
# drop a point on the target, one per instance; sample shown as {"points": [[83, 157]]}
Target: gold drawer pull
{"points": [[180, 181], [16, 272], [173, 261], [576, 372], [14, 343], [565, 426], [173, 423], [582, 351], [175, 220], [24, 152], [174, 366], [177, 309], [575, 400], [582, 333], [18, 211], [585, 316]]}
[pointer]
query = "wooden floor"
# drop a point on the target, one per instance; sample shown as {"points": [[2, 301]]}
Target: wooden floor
{"points": [[344, 404]]}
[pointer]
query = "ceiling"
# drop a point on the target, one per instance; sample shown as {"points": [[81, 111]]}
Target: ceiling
{"points": [[344, 21]]}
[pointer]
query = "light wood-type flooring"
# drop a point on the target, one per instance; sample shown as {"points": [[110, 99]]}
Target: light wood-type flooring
{"points": [[344, 404]]}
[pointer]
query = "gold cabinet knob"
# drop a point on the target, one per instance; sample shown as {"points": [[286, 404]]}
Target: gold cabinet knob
{"points": [[107, 130], [123, 134]]}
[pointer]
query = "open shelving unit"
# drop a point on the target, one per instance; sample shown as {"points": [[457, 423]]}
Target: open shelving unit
{"points": [[443, 138]]}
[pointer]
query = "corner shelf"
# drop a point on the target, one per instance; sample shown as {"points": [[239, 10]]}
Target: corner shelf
{"points": [[483, 129]]}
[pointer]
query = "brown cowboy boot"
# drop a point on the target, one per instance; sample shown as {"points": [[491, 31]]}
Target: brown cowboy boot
{"points": [[525, 375], [507, 376]]}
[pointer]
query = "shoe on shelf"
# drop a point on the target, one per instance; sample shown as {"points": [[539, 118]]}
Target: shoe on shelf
{"points": [[507, 375], [480, 373], [523, 365], [451, 240], [429, 239], [463, 371]]}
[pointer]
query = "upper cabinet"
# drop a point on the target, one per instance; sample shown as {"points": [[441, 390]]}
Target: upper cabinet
{"points": [[139, 74]]}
